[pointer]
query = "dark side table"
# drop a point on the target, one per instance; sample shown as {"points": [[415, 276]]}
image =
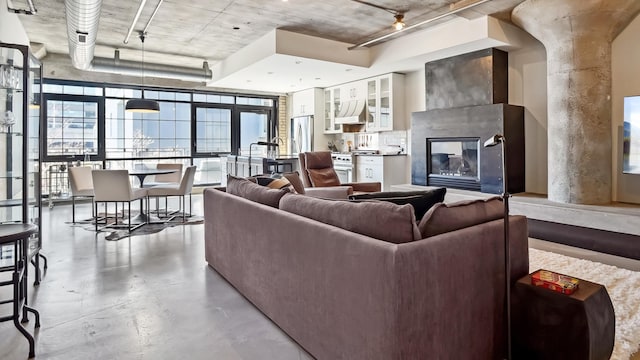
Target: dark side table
{"points": [[17, 237], [550, 325]]}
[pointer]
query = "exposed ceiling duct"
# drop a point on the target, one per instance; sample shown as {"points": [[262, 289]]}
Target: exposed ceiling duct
{"points": [[82, 27], [134, 68]]}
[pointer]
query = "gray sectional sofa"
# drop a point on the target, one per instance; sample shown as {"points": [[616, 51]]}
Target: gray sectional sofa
{"points": [[364, 280]]}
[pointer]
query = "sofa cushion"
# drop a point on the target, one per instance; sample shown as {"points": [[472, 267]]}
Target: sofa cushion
{"points": [[377, 219], [254, 192], [421, 201], [442, 218]]}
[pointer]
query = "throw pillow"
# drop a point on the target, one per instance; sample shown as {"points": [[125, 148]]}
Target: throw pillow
{"points": [[295, 180], [421, 201], [376, 219], [254, 192], [442, 218], [277, 181]]}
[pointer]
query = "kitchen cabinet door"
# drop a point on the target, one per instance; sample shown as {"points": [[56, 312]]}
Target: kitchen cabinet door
{"points": [[385, 105], [303, 102], [332, 104]]}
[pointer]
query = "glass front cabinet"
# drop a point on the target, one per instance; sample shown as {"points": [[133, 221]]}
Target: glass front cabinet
{"points": [[20, 94]]}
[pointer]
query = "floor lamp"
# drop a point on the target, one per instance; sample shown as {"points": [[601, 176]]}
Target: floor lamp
{"points": [[268, 144], [493, 141]]}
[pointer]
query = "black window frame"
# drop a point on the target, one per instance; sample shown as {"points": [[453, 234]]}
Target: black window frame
{"points": [[45, 128]]}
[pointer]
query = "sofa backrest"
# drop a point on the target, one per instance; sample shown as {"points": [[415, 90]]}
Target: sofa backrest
{"points": [[254, 192], [377, 219], [442, 218]]}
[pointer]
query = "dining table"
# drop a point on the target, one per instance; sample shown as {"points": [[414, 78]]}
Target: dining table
{"points": [[142, 174]]}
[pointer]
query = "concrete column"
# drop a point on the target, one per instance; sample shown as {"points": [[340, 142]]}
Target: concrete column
{"points": [[577, 35]]}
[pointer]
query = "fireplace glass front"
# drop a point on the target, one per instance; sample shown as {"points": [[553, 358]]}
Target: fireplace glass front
{"points": [[453, 161]]}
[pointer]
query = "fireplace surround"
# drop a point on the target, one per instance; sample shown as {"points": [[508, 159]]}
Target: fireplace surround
{"points": [[466, 104]]}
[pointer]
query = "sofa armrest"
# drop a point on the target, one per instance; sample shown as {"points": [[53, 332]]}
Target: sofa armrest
{"points": [[365, 186], [453, 283], [330, 192]]}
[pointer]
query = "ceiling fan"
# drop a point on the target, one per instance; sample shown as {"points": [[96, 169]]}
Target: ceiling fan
{"points": [[398, 14]]}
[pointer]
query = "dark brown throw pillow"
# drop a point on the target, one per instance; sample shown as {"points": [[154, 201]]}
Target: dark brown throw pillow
{"points": [[421, 200]]}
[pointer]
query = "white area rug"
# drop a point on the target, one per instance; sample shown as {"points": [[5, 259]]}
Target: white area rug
{"points": [[622, 285]]}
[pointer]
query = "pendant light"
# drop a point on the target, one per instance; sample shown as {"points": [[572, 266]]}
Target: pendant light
{"points": [[142, 105]]}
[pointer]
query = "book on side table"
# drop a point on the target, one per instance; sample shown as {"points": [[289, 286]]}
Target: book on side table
{"points": [[563, 284]]}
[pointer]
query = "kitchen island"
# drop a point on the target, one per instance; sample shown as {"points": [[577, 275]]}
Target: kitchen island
{"points": [[238, 165]]}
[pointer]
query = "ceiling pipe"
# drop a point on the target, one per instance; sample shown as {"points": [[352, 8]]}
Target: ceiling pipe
{"points": [[82, 27], [155, 11], [133, 68], [454, 9], [135, 20]]}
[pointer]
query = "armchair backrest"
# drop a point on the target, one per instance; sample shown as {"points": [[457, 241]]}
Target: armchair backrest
{"points": [[318, 169]]}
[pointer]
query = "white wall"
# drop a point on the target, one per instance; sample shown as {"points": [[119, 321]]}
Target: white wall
{"points": [[528, 88], [625, 63], [11, 29], [415, 93]]}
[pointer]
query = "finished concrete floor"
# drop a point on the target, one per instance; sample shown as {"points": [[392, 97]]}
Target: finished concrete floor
{"points": [[143, 297]]}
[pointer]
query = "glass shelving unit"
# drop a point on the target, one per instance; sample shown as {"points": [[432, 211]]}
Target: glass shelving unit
{"points": [[20, 155]]}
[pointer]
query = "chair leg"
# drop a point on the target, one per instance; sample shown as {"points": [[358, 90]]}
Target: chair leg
{"points": [[95, 204], [73, 209], [184, 210]]}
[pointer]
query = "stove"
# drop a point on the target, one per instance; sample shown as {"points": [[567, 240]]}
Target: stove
{"points": [[344, 165]]}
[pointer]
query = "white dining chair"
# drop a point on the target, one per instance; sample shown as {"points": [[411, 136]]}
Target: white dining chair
{"points": [[81, 187], [166, 179], [182, 189], [114, 186]]}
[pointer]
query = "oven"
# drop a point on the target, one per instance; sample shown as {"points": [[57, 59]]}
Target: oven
{"points": [[343, 164]]}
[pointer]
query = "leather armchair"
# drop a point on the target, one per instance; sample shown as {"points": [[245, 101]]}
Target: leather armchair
{"points": [[317, 171]]}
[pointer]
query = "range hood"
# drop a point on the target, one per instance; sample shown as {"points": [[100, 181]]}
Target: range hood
{"points": [[352, 112]]}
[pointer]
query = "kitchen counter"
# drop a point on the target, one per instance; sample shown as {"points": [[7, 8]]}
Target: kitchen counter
{"points": [[238, 165]]}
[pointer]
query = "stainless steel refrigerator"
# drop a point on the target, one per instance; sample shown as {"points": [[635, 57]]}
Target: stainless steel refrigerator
{"points": [[301, 134]]}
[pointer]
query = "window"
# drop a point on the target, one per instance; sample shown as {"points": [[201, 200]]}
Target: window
{"points": [[213, 130], [197, 128], [72, 126]]}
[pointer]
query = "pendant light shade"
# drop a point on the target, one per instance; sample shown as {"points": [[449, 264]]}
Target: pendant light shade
{"points": [[142, 105]]}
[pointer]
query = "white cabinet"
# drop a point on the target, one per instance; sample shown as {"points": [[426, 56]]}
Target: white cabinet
{"points": [[355, 90], [332, 101], [306, 102], [388, 170], [385, 95]]}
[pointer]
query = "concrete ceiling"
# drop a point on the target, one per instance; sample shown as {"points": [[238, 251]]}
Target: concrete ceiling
{"points": [[186, 33]]}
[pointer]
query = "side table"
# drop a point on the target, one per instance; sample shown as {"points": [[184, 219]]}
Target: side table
{"points": [[550, 325], [17, 236]]}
